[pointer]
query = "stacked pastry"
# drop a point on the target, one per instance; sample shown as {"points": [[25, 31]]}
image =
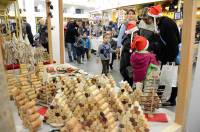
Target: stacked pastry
{"points": [[127, 92], [50, 91], [134, 120], [21, 100], [36, 83], [32, 116], [115, 104], [150, 100], [23, 69], [40, 71], [125, 95], [27, 111], [59, 112], [95, 106], [138, 92], [42, 95], [73, 125], [12, 83], [26, 88], [112, 81], [105, 118]]}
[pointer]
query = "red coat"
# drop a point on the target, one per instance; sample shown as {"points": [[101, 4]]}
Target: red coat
{"points": [[140, 63]]}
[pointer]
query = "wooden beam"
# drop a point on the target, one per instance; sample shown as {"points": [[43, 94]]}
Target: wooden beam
{"points": [[18, 17], [61, 28], [49, 33], [185, 73], [6, 118]]}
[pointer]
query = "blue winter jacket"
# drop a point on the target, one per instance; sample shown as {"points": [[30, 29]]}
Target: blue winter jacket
{"points": [[86, 43]]}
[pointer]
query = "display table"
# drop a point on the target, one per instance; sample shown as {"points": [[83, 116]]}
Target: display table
{"points": [[154, 126], [64, 70]]}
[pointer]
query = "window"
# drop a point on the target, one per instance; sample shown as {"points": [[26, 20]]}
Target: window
{"points": [[79, 11]]}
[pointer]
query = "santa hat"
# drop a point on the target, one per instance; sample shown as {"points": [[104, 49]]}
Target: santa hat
{"points": [[155, 12], [140, 43], [131, 27]]}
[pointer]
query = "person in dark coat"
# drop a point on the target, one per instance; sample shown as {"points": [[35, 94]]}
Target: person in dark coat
{"points": [[147, 30], [70, 39], [26, 28], [131, 30], [43, 31], [169, 38]]}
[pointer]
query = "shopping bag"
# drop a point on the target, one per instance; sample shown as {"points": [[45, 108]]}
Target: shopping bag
{"points": [[89, 54], [168, 78]]}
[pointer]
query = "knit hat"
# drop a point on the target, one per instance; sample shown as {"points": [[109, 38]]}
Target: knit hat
{"points": [[139, 43], [131, 27], [155, 12]]}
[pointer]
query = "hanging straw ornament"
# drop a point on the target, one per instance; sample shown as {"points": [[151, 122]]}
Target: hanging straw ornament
{"points": [[10, 51]]}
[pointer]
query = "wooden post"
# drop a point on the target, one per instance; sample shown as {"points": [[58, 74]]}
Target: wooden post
{"points": [[6, 119], [61, 28], [18, 18], [49, 32], [185, 73]]}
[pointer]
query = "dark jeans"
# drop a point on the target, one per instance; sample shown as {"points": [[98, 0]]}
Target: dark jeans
{"points": [[85, 51], [79, 53], [71, 51], [114, 56], [105, 66]]}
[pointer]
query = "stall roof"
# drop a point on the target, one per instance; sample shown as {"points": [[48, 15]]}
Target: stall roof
{"points": [[125, 3], [4, 4]]}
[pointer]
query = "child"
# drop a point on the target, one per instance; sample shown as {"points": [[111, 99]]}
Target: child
{"points": [[113, 44], [86, 45], [79, 49], [141, 59], [104, 51]]}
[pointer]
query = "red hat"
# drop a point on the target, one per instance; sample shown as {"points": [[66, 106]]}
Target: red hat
{"points": [[155, 11], [131, 27], [139, 43]]}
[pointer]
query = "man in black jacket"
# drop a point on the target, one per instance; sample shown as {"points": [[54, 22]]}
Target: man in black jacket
{"points": [[26, 27], [168, 33], [70, 39], [169, 38]]}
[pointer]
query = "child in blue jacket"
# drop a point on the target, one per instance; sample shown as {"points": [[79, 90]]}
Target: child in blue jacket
{"points": [[86, 45]]}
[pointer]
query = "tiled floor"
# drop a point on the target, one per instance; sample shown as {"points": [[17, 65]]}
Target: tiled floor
{"points": [[95, 68]]}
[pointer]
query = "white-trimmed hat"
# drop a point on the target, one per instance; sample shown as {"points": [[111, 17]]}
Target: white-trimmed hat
{"points": [[131, 27], [155, 11]]}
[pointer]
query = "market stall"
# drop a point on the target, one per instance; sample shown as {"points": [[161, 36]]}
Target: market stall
{"points": [[77, 101]]}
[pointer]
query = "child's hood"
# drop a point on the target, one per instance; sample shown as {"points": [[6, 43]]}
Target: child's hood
{"points": [[141, 58]]}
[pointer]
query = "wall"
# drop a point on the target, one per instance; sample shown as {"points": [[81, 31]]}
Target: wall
{"points": [[55, 32], [193, 123], [30, 15]]}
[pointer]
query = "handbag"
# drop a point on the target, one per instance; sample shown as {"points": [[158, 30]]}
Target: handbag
{"points": [[168, 78]]}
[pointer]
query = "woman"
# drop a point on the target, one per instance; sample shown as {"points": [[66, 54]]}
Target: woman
{"points": [[130, 17], [125, 66]]}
